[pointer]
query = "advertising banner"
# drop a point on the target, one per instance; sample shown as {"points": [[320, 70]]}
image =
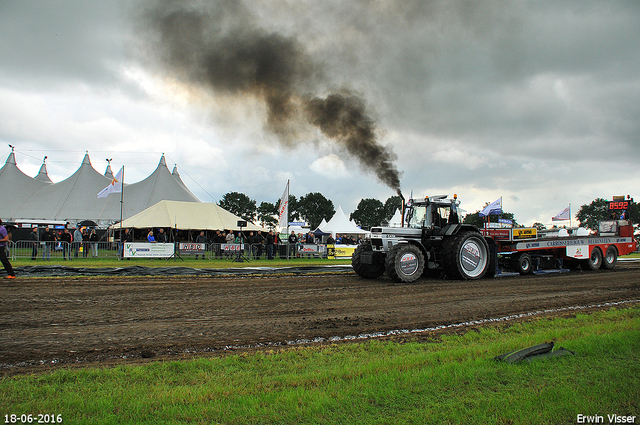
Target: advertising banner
{"points": [[525, 233], [343, 251], [192, 248], [231, 247], [148, 250]]}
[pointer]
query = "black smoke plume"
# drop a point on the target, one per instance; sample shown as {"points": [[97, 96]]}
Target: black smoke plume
{"points": [[220, 48]]}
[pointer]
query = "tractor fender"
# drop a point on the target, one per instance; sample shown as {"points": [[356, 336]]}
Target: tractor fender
{"points": [[454, 229]]}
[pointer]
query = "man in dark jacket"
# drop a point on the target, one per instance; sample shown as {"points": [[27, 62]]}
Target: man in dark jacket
{"points": [[271, 240], [65, 238], [202, 239], [33, 237], [48, 238]]}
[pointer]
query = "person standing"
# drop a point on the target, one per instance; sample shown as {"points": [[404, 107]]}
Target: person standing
{"points": [[93, 240], [48, 238], [161, 237], [202, 239], [126, 237], [271, 240], [4, 240], [77, 241], [293, 244], [65, 238], [33, 237]]}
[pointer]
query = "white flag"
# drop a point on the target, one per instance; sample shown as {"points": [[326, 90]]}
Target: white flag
{"points": [[114, 187], [493, 208], [565, 214], [283, 211]]}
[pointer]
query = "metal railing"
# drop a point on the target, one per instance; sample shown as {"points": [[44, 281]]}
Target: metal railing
{"points": [[62, 250], [214, 251]]}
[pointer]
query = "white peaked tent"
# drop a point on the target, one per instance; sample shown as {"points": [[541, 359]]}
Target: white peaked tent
{"points": [[396, 220], [323, 224], [16, 187], [341, 224], [186, 216], [75, 198]]}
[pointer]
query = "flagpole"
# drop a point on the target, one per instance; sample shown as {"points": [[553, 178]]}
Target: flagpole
{"points": [[121, 208], [287, 218], [570, 225]]}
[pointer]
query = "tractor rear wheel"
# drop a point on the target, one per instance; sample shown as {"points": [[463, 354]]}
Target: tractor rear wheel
{"points": [[466, 256], [404, 263], [367, 271]]}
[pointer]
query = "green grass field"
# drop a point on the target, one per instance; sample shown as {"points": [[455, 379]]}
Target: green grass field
{"points": [[452, 380]]}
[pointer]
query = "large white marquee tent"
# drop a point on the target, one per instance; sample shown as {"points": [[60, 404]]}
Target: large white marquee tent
{"points": [[74, 199]]}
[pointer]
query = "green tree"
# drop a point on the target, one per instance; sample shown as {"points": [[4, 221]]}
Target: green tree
{"points": [[539, 226], [589, 215], [598, 210], [267, 214], [240, 205], [369, 212], [313, 207], [391, 205]]}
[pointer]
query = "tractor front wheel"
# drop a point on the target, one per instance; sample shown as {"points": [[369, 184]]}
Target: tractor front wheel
{"points": [[365, 270], [404, 263]]}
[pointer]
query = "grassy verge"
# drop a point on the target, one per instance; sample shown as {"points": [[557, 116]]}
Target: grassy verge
{"points": [[187, 262], [452, 381]]}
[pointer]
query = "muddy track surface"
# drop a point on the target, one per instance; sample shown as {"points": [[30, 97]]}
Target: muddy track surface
{"points": [[53, 322]]}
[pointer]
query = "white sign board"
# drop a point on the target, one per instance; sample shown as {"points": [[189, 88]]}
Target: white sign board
{"points": [[148, 250], [580, 252]]}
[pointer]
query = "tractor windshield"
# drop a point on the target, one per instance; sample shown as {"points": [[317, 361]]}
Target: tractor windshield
{"points": [[431, 215], [416, 217]]}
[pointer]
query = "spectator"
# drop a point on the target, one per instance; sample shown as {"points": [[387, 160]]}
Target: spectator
{"points": [[161, 237], [48, 239], [4, 240], [77, 241], [93, 240], [85, 242], [293, 243], [125, 238], [270, 242], [150, 237], [202, 239], [33, 236], [65, 238], [330, 240]]}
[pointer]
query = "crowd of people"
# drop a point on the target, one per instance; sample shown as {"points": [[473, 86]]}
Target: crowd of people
{"points": [[84, 242], [79, 243]]}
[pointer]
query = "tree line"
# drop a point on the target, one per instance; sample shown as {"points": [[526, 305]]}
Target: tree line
{"points": [[313, 207]]}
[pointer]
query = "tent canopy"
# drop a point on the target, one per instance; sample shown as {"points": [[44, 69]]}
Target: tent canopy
{"points": [[186, 216], [340, 224]]}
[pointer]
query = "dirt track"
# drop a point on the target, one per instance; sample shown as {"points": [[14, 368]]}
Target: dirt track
{"points": [[47, 322]]}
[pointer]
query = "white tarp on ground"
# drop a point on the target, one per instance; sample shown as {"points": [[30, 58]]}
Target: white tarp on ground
{"points": [[186, 216], [340, 224]]}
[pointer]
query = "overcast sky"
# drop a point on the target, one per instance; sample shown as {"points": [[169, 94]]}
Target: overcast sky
{"points": [[534, 101]]}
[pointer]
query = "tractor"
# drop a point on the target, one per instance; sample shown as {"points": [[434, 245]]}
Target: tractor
{"points": [[431, 240]]}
